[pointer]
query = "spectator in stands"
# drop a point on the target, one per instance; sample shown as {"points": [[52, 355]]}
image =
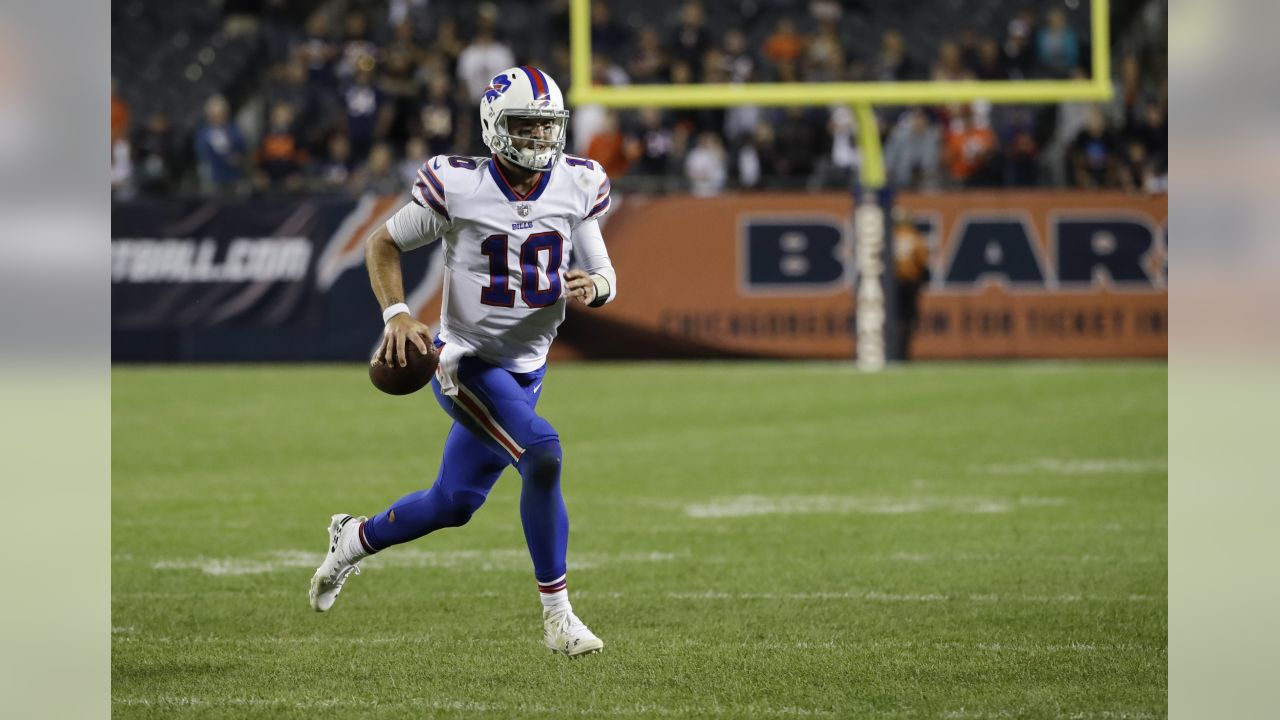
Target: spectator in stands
{"points": [[739, 64], [122, 187], [220, 148], [1019, 59], [990, 63], [415, 154], [949, 67], [971, 148], [1069, 120], [319, 51], [1093, 155], [449, 46], [155, 156], [356, 46], [827, 10], [280, 156], [740, 121], [314, 110], [1153, 133], [783, 49], [380, 175], [369, 115], [590, 119], [911, 156], [405, 41], [705, 166], [485, 56], [649, 64], [121, 155], [606, 35], [840, 166], [334, 172], [656, 144], [754, 158], [120, 114], [1128, 90], [614, 150], [824, 56], [1136, 172], [691, 37], [278, 32], [604, 71], [800, 141], [438, 117], [1022, 159], [893, 63], [968, 46], [911, 271], [1057, 49], [399, 85]]}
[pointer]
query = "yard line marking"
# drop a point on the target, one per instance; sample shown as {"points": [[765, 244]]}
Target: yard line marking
{"points": [[753, 505], [877, 596], [848, 645], [855, 595], [1074, 466], [359, 640], [1087, 558], [507, 709], [474, 560], [517, 709]]}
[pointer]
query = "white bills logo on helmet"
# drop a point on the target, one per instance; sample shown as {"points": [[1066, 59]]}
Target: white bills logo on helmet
{"points": [[523, 92]]}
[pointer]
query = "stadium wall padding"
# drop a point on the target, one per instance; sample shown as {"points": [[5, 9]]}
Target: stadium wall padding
{"points": [[1014, 275]]}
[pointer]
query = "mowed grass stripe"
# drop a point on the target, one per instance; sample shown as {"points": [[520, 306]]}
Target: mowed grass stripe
{"points": [[965, 541]]}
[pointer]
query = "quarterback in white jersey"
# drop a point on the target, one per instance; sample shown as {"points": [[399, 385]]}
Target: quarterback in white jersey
{"points": [[511, 223], [505, 252]]}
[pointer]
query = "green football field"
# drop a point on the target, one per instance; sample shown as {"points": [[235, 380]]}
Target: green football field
{"points": [[750, 540]]}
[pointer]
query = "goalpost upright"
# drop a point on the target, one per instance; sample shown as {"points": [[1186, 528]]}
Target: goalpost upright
{"points": [[861, 97]]}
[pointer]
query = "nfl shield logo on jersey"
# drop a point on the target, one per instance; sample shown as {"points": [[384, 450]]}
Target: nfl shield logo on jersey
{"points": [[522, 210]]}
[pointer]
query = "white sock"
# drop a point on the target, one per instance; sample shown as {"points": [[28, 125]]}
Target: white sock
{"points": [[350, 546], [556, 600]]}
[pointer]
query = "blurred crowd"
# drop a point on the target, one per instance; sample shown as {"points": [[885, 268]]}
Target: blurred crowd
{"points": [[353, 97]]}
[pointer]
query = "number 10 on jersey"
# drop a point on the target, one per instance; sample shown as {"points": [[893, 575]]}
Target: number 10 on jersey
{"points": [[532, 270]]}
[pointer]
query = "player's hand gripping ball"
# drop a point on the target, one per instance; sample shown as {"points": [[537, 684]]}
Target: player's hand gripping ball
{"points": [[393, 379]]}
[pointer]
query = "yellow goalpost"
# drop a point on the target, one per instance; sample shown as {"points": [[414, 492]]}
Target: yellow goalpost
{"points": [[869, 218], [861, 96]]}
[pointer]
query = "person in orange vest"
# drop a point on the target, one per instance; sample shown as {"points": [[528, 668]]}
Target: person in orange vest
{"points": [[911, 268]]}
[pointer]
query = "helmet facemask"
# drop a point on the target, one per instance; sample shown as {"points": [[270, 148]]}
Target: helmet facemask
{"points": [[531, 153]]}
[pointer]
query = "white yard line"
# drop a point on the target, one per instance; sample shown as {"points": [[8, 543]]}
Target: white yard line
{"points": [[712, 644], [753, 505], [507, 709], [472, 560], [877, 596], [518, 709], [1074, 466]]}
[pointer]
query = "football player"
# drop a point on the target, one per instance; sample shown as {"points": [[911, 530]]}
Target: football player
{"points": [[509, 223]]}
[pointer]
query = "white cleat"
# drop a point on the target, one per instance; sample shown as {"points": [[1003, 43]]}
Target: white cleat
{"points": [[564, 633], [333, 572]]}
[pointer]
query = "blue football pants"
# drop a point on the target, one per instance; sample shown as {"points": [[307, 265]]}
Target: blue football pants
{"points": [[495, 425]]}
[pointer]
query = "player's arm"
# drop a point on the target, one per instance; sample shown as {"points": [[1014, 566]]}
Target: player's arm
{"points": [[411, 227], [595, 283]]}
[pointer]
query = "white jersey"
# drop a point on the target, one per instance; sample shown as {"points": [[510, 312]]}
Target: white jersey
{"points": [[505, 254]]}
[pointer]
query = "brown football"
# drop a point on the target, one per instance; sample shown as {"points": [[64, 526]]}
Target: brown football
{"points": [[416, 373]]}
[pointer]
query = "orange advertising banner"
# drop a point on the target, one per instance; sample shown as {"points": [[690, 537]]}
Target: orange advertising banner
{"points": [[1012, 275]]}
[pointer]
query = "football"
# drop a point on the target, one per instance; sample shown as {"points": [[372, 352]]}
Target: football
{"points": [[396, 380]]}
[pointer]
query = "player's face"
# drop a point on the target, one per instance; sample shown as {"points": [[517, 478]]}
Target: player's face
{"points": [[530, 132]]}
